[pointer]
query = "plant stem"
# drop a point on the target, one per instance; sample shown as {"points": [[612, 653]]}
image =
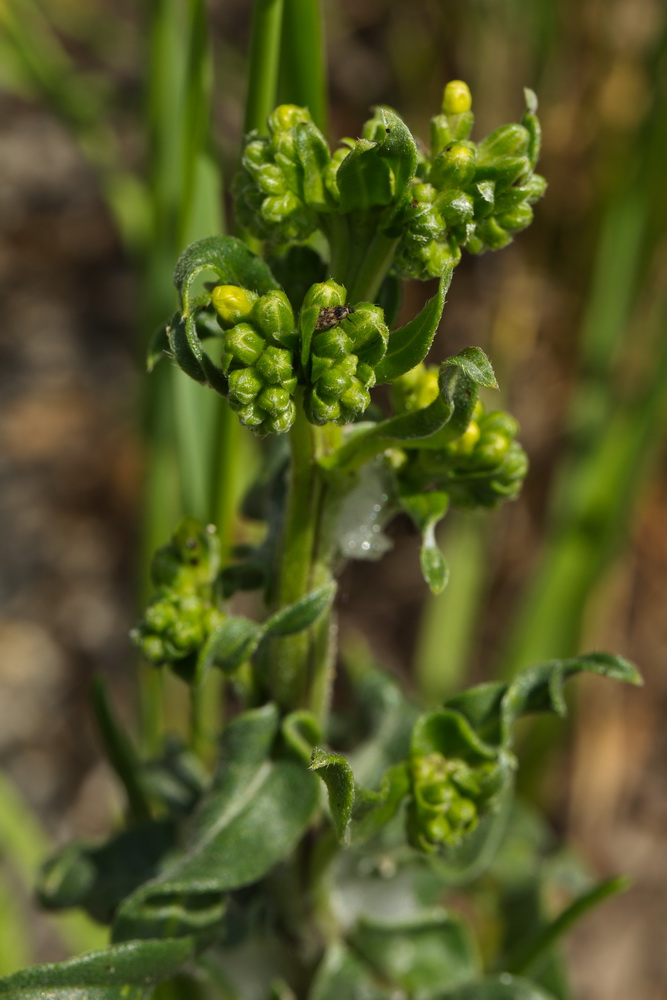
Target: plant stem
{"points": [[365, 280], [300, 665], [264, 60]]}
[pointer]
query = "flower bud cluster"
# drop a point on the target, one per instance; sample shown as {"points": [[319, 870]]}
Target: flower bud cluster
{"points": [[346, 345], [182, 614], [469, 195], [259, 341], [483, 467], [448, 797], [279, 189]]}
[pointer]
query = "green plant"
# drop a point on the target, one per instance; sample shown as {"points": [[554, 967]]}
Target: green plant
{"points": [[243, 880]]}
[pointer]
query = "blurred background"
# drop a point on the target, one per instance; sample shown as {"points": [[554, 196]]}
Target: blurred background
{"points": [[573, 315]]}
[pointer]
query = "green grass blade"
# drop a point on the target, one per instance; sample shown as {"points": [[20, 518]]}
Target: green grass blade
{"points": [[302, 59], [267, 16]]}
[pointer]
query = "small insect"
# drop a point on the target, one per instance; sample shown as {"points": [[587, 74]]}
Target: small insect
{"points": [[331, 315]]}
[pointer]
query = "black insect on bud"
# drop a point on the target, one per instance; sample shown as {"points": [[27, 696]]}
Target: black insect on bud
{"points": [[331, 315]]}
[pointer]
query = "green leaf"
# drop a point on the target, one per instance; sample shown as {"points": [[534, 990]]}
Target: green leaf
{"points": [[302, 614], [492, 709], [120, 752], [443, 420], [423, 954], [98, 878], [504, 987], [336, 773], [157, 347], [229, 259], [409, 345], [341, 976], [229, 645], [373, 810], [256, 811], [426, 510], [377, 174], [125, 972], [314, 156]]}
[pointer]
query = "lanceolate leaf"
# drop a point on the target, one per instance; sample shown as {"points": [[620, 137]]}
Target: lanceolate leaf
{"points": [[411, 343], [258, 808], [376, 174], [336, 774], [492, 709], [230, 644], [125, 972], [302, 614], [443, 420]]}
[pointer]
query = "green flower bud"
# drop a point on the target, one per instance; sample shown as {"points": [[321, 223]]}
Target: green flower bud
{"points": [[275, 366], [244, 385], [454, 166], [273, 316], [274, 400], [456, 208], [286, 117], [515, 219], [281, 422], [491, 235], [367, 331], [232, 304], [243, 345], [324, 295], [456, 98], [508, 140], [416, 389]]}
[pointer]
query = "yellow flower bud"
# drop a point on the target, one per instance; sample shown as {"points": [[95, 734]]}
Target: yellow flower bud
{"points": [[232, 303], [456, 99]]}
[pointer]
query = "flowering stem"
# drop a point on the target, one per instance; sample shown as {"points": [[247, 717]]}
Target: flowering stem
{"points": [[300, 665]]}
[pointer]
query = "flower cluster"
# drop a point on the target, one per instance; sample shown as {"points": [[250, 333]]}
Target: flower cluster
{"points": [[346, 345], [281, 185], [469, 195], [183, 612], [259, 341], [447, 798], [483, 467]]}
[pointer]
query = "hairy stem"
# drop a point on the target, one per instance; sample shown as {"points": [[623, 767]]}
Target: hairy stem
{"points": [[300, 668]]}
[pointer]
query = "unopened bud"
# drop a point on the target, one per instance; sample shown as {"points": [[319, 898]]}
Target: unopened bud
{"points": [[456, 98], [232, 303]]}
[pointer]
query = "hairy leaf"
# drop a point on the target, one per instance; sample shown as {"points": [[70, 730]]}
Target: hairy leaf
{"points": [[302, 614], [442, 420], [127, 971], [410, 344], [230, 644], [492, 709], [258, 808], [229, 259], [336, 773]]}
